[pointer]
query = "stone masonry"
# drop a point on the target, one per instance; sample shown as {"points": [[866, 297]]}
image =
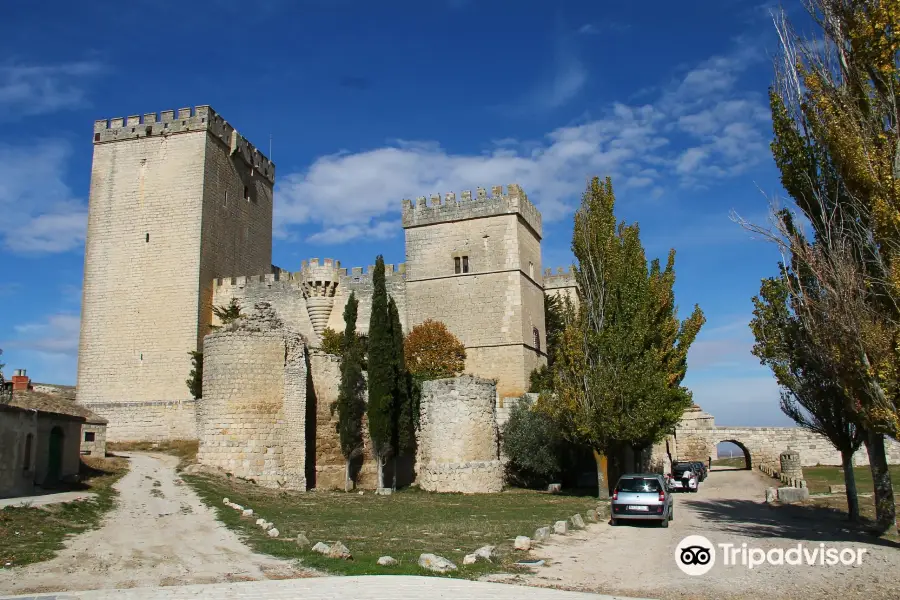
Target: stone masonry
{"points": [[252, 417], [458, 441], [176, 200]]}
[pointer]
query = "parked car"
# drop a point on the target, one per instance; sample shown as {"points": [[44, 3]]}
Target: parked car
{"points": [[701, 469], [643, 497], [684, 478]]}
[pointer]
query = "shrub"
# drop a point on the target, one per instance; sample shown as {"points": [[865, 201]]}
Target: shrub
{"points": [[433, 352], [533, 445], [332, 342]]}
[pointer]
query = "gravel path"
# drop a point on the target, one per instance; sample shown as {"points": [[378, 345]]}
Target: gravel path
{"points": [[729, 508], [159, 534]]}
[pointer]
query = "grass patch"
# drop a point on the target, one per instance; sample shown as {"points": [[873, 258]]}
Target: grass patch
{"points": [[735, 462], [185, 450], [403, 525], [819, 478], [33, 535]]}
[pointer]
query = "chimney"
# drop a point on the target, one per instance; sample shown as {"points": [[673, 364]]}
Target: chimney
{"points": [[20, 380]]}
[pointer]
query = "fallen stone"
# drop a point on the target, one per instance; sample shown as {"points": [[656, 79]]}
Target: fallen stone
{"points": [[387, 561], [339, 550], [523, 542], [592, 516], [383, 491], [226, 501], [248, 512], [260, 521], [542, 534], [531, 563], [561, 527], [554, 488], [302, 540], [272, 532], [577, 522], [361, 492], [485, 552], [321, 548], [436, 564], [470, 559], [237, 507], [771, 494], [787, 495]]}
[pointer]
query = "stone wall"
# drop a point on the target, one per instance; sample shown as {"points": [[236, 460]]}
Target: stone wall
{"points": [[97, 445], [252, 417], [71, 447], [153, 421], [458, 439], [18, 432], [167, 215]]}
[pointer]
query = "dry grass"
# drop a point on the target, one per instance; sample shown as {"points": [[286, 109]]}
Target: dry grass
{"points": [[36, 534], [402, 525]]}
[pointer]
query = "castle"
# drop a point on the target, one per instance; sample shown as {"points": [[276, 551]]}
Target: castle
{"points": [[180, 220]]}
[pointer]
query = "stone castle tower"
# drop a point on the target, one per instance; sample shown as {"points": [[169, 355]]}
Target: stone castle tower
{"points": [[475, 264], [176, 201]]}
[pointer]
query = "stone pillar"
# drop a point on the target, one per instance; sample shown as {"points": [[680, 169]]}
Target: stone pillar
{"points": [[458, 441], [791, 465]]}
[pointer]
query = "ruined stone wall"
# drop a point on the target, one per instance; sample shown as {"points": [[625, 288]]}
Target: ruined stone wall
{"points": [[458, 439], [153, 421], [252, 417], [159, 231]]}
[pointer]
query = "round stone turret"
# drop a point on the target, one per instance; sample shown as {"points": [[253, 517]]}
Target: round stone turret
{"points": [[791, 467], [319, 285]]}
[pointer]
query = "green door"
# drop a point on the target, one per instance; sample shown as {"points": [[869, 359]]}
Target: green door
{"points": [[54, 457]]}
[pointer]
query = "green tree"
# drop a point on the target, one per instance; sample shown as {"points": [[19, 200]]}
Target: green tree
{"points": [[534, 446], [380, 410], [811, 393], [227, 314], [623, 354], [332, 342], [350, 404], [195, 378], [541, 378], [405, 407]]}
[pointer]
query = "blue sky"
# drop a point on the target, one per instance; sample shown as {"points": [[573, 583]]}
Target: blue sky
{"points": [[369, 103]]}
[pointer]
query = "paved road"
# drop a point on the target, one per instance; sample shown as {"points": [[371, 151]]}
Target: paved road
{"points": [[387, 587], [46, 499]]}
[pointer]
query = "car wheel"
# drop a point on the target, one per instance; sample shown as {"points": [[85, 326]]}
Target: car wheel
{"points": [[613, 522], [664, 522], [672, 514]]}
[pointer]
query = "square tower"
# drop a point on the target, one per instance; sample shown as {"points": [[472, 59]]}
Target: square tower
{"points": [[475, 265], [176, 200]]}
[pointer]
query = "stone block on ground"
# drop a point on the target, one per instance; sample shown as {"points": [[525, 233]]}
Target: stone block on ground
{"points": [[302, 540], [339, 550], [837, 489], [321, 548], [787, 495], [771, 494], [248, 512], [554, 487], [226, 501], [577, 521], [523, 542], [542, 534], [561, 527], [387, 561], [436, 564], [272, 533], [592, 516], [470, 559], [486, 552]]}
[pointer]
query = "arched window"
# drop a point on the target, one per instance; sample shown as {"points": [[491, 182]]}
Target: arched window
{"points": [[26, 463], [537, 338]]}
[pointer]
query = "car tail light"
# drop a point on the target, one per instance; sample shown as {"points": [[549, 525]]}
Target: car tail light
{"points": [[615, 494], [662, 495]]}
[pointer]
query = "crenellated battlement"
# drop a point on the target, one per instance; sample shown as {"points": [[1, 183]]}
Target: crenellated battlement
{"points": [[185, 120], [282, 279], [562, 278], [448, 208]]}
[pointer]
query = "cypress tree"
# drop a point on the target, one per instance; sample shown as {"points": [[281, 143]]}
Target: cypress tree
{"points": [[403, 417], [350, 405], [381, 372]]}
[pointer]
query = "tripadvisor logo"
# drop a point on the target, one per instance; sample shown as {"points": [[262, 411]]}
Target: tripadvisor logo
{"points": [[696, 555]]}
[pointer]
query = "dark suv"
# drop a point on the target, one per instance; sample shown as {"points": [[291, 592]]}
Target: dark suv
{"points": [[701, 469]]}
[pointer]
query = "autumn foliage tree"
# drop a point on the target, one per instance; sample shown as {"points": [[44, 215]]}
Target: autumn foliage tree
{"points": [[433, 352]]}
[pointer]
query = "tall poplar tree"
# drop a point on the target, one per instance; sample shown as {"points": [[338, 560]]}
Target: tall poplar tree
{"points": [[350, 404], [623, 353], [381, 373]]}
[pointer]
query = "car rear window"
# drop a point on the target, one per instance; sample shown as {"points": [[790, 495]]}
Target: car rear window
{"points": [[638, 484]]}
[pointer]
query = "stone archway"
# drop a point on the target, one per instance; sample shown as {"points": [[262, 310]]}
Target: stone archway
{"points": [[748, 457]]}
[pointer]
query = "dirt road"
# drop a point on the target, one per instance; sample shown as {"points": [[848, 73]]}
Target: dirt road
{"points": [[639, 560], [160, 533]]}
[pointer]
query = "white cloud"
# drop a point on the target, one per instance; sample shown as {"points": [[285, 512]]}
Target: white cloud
{"points": [[28, 89], [697, 130], [55, 335], [41, 213]]}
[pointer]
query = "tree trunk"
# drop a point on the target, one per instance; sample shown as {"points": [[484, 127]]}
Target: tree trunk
{"points": [[885, 511], [394, 469], [850, 483], [348, 483], [602, 483], [379, 461]]}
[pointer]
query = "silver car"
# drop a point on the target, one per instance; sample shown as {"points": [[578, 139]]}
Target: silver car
{"points": [[642, 496]]}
